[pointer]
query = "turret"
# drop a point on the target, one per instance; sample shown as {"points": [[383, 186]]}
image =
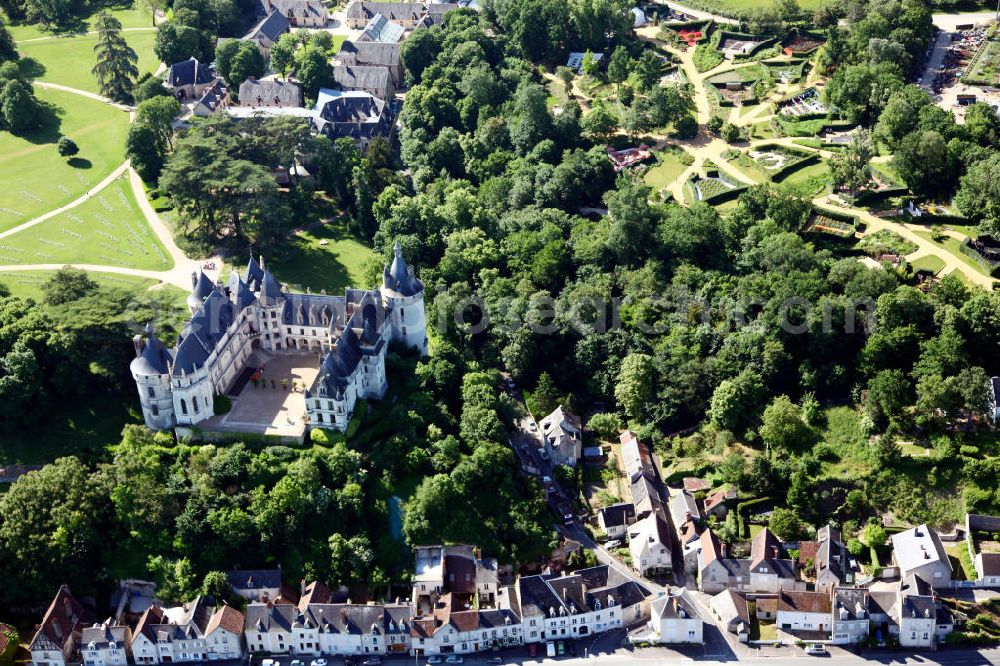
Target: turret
{"points": [[151, 371], [403, 297]]}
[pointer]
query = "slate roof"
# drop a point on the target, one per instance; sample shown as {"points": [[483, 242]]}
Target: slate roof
{"points": [[214, 96], [831, 557], [154, 359], [270, 290], [362, 77], [201, 287], [988, 564], [189, 72], [102, 635], [270, 92], [361, 336], [249, 582], [732, 606], [203, 332], [645, 494], [298, 8], [352, 114], [617, 515], [371, 53], [394, 11], [272, 26], [850, 604], [917, 547], [254, 274], [683, 506], [398, 276], [673, 606], [382, 30]]}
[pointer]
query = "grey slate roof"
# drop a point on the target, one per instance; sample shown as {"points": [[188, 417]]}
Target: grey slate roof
{"points": [[214, 95], [270, 290], [101, 635], [371, 53], [201, 287], [203, 332], [189, 72], [360, 337], [353, 114], [617, 514], [381, 29], [832, 554], [362, 77], [254, 274], [295, 8], [272, 91], [271, 26], [394, 11], [398, 277], [155, 359]]}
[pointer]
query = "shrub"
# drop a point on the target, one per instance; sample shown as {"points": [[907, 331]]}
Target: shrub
{"points": [[221, 404], [605, 424], [323, 437]]}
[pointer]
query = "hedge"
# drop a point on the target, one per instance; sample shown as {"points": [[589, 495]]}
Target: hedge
{"points": [[992, 268], [723, 197], [744, 505], [766, 44], [868, 197], [784, 171], [837, 215]]}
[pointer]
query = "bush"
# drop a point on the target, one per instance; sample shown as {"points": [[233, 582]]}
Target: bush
{"points": [[360, 409], [323, 437], [686, 128], [221, 404], [605, 424]]}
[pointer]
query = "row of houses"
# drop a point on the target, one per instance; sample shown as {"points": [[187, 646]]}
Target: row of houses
{"points": [[458, 606]]}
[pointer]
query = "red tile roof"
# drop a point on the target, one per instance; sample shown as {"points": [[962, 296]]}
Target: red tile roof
{"points": [[227, 618], [693, 485]]}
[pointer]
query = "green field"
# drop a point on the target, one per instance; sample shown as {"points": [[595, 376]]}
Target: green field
{"points": [[107, 229], [307, 263], [669, 167], [929, 262], [28, 284], [68, 60], [41, 179], [130, 18], [743, 7], [954, 247]]}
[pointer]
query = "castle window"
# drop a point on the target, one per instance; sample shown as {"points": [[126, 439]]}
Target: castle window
{"points": [[404, 330], [152, 392], [402, 314], [194, 403], [156, 410], [319, 417], [289, 329], [184, 407]]}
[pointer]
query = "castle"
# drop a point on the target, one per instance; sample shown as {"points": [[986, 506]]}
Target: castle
{"points": [[216, 350]]}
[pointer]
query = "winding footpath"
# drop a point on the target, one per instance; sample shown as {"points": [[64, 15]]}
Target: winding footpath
{"points": [[178, 275]]}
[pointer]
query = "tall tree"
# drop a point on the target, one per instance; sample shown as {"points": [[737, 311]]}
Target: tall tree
{"points": [[116, 69]]}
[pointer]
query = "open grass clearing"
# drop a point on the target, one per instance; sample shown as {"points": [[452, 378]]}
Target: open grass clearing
{"points": [[28, 284], [842, 432], [107, 229], [68, 60], [670, 165], [130, 17], [36, 178], [961, 563], [326, 258]]}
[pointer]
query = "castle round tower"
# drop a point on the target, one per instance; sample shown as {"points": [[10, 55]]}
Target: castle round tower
{"points": [[403, 296], [151, 371]]}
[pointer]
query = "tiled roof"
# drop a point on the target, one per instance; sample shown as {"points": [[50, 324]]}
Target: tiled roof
{"points": [[228, 619], [804, 602]]}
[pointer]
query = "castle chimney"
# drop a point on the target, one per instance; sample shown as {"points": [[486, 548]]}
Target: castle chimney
{"points": [[302, 587], [138, 343], [194, 279]]}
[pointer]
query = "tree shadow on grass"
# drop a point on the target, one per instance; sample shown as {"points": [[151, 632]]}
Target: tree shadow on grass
{"points": [[31, 68], [80, 163], [49, 124]]}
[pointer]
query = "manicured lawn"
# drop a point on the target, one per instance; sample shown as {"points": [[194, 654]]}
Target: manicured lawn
{"points": [[28, 284], [129, 16], [106, 229], [666, 171], [68, 60], [338, 264], [958, 553], [953, 246], [929, 262], [809, 180], [36, 178]]}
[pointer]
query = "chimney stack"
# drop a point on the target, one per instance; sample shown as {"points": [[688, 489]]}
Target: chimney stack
{"points": [[137, 341]]}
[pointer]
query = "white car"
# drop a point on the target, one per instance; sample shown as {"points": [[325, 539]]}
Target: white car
{"points": [[317, 662], [613, 544], [816, 648], [268, 662], [454, 659]]}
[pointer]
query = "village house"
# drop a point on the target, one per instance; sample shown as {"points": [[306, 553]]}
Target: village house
{"points": [[58, 635], [649, 545], [328, 629], [715, 502], [169, 635], [646, 496], [371, 54], [188, 80], [456, 570], [300, 13], [260, 585], [921, 619], [918, 551], [267, 31], [357, 115], [457, 628], [770, 571], [717, 572], [374, 80], [674, 620], [562, 436], [435, 13], [105, 644], [833, 566], [270, 93], [583, 603], [214, 99], [382, 30], [850, 616], [615, 519], [731, 610], [804, 611], [987, 567], [406, 14]]}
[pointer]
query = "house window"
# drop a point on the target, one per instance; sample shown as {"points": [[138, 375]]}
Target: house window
{"points": [[319, 417]]}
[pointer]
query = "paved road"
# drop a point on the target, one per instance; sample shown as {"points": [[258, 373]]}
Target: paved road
{"points": [[77, 34], [951, 21], [934, 62], [697, 13]]}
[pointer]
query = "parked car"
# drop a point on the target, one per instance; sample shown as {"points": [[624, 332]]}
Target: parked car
{"points": [[372, 661], [614, 543], [561, 648], [816, 648], [298, 662], [543, 454], [435, 659], [268, 662], [317, 662], [550, 649], [496, 660], [454, 659]]}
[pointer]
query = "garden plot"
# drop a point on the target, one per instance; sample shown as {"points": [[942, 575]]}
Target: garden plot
{"points": [[712, 185], [769, 160], [801, 44], [806, 104], [108, 229], [822, 224], [732, 48]]}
